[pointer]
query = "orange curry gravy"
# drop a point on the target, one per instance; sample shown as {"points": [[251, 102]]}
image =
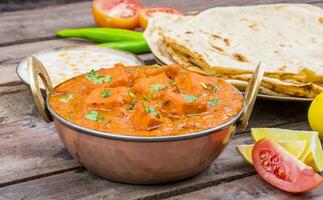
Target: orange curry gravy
{"points": [[146, 101]]}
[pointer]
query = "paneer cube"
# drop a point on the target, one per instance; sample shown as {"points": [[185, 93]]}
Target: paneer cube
{"points": [[143, 119], [107, 98], [176, 104], [145, 86], [120, 76]]}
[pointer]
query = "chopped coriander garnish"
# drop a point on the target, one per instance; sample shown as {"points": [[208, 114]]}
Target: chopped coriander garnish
{"points": [[94, 116], [189, 98], [105, 93], [156, 87], [203, 85], [172, 82], [67, 99], [213, 102], [147, 98], [131, 94], [108, 123], [131, 107], [97, 78], [213, 87], [150, 109]]}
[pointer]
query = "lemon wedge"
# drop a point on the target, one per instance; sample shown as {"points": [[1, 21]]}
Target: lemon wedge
{"points": [[315, 113], [295, 147], [312, 155]]}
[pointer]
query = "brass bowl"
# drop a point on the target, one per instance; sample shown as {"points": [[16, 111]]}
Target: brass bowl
{"points": [[142, 160]]}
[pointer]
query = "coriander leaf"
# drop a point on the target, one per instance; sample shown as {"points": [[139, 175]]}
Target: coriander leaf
{"points": [[147, 98], [94, 116], [131, 94], [213, 102], [172, 82], [150, 109], [105, 93], [213, 87], [97, 78], [203, 85], [131, 107], [67, 99], [108, 123], [156, 87], [189, 98]]}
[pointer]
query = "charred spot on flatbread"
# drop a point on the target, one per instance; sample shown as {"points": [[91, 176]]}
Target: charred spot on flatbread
{"points": [[239, 57]]}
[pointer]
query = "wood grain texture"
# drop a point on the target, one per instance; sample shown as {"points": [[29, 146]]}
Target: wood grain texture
{"points": [[76, 184], [248, 188], [31, 148], [41, 24]]}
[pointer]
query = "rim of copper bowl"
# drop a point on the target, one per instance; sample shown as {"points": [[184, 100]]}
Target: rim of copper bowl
{"points": [[118, 136]]}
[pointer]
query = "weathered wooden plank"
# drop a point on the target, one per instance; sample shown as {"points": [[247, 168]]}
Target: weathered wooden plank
{"points": [[246, 189], [76, 184], [41, 24], [14, 5], [31, 148]]}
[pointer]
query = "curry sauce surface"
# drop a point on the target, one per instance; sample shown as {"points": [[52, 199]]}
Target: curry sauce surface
{"points": [[146, 101]]}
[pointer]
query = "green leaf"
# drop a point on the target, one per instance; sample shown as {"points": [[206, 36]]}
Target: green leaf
{"points": [[105, 93], [214, 88], [150, 109], [147, 98], [131, 94], [131, 107], [213, 102], [156, 87], [97, 78], [67, 99], [189, 98], [172, 82], [108, 123], [94, 116]]}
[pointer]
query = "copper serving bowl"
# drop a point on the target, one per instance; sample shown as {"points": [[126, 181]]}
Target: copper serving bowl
{"points": [[142, 160]]}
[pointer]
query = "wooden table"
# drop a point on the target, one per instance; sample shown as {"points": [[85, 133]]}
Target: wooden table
{"points": [[34, 163]]}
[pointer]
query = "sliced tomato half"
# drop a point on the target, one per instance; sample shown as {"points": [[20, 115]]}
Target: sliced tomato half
{"points": [[281, 169], [116, 13], [148, 12]]}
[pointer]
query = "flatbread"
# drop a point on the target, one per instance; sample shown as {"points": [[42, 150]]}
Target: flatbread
{"points": [[228, 41]]}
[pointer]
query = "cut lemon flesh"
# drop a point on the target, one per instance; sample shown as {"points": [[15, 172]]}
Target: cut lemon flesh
{"points": [[312, 155], [294, 147]]}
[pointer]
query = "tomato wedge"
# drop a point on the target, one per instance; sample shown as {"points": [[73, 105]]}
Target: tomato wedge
{"points": [[148, 12], [281, 169], [116, 13]]}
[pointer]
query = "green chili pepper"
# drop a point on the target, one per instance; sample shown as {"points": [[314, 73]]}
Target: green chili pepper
{"points": [[137, 47], [102, 34]]}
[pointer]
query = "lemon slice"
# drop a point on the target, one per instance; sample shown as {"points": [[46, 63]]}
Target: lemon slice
{"points": [[312, 155], [245, 151], [295, 147]]}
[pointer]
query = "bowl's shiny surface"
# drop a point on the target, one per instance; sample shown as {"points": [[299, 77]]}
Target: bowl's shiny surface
{"points": [[144, 162]]}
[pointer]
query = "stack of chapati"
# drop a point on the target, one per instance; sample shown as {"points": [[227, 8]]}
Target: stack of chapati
{"points": [[229, 42]]}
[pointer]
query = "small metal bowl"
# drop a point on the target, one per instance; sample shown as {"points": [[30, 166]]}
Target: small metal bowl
{"points": [[142, 160]]}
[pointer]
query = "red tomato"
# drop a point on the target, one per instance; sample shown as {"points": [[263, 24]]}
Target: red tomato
{"points": [[147, 12], [116, 13], [281, 169]]}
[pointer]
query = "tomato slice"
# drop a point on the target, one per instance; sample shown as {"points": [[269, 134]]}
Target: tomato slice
{"points": [[148, 12], [116, 13], [281, 169]]}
